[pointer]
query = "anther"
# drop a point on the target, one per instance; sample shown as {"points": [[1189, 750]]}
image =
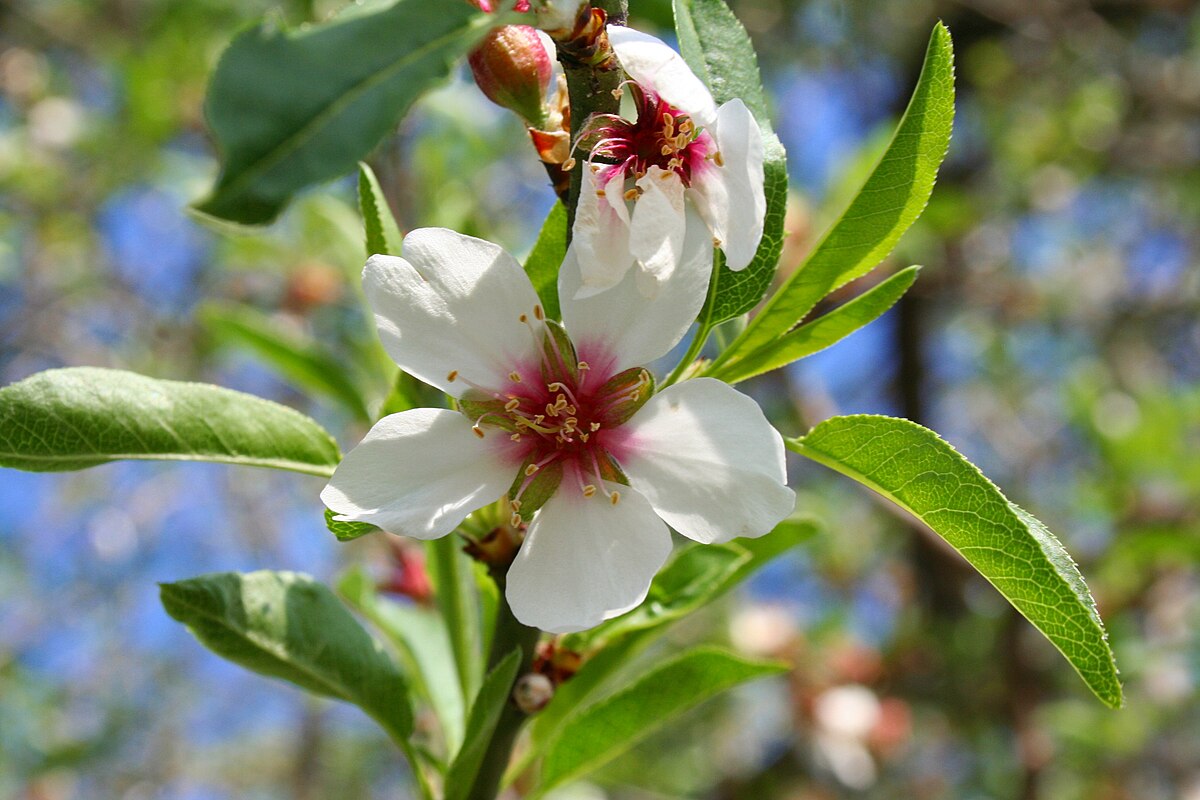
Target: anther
{"points": [[632, 194], [614, 498], [582, 365], [595, 426], [453, 374], [512, 405], [523, 318], [515, 505], [720, 162], [589, 490], [516, 437], [515, 520], [583, 437], [478, 431], [568, 165], [539, 313], [514, 376], [532, 468], [601, 193]]}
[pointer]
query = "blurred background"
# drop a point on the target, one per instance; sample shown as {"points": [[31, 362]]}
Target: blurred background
{"points": [[1053, 338]]}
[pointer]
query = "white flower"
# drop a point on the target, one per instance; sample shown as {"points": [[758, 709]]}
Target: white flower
{"points": [[641, 174], [567, 427]]}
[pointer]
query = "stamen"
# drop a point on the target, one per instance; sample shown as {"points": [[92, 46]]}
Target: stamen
{"points": [[717, 159], [515, 505], [568, 165], [582, 366], [595, 426], [614, 498], [514, 376], [532, 468], [539, 313], [515, 520], [633, 193], [478, 431], [512, 405], [516, 437], [589, 490], [453, 374]]}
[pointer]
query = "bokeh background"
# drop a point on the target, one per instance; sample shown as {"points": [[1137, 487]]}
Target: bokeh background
{"points": [[1053, 337]]}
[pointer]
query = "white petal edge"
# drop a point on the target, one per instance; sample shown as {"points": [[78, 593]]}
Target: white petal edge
{"points": [[652, 63], [585, 560], [656, 231], [418, 473], [708, 461], [731, 197], [601, 232], [453, 303], [623, 327]]}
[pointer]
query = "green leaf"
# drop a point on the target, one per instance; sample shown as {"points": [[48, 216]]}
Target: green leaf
{"points": [[812, 337], [546, 257], [67, 419], [914, 468], [298, 358], [453, 580], [599, 733], [718, 49], [285, 625], [420, 637], [382, 233], [889, 202], [348, 531], [290, 108], [481, 724], [695, 577]]}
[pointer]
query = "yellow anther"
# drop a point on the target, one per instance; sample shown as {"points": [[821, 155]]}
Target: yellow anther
{"points": [[614, 498], [720, 162], [665, 175], [554, 386], [667, 150], [516, 437], [601, 193], [716, 242], [632, 194], [478, 431], [568, 165], [539, 313], [512, 405], [583, 365], [617, 92], [453, 374], [523, 318], [514, 376], [589, 490], [532, 468], [515, 520], [583, 437], [515, 505], [595, 426]]}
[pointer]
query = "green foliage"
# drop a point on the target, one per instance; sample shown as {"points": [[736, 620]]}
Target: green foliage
{"points": [[68, 419], [420, 638], [812, 337], [298, 358], [293, 108], [719, 51], [382, 233], [546, 257], [285, 625], [916, 469], [348, 531], [454, 591], [889, 202], [597, 734], [481, 723]]}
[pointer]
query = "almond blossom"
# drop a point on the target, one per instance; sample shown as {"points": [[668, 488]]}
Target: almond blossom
{"points": [[560, 420], [680, 150]]}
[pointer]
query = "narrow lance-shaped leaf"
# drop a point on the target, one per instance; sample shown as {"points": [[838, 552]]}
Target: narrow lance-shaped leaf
{"points": [[717, 48], [382, 233], [892, 198], [420, 637], [596, 735], [546, 257], [298, 358], [481, 724], [285, 625], [454, 591], [67, 419], [916, 469], [812, 337], [292, 108]]}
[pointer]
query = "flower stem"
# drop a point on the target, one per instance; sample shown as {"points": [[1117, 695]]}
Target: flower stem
{"points": [[509, 633], [591, 91], [693, 351]]}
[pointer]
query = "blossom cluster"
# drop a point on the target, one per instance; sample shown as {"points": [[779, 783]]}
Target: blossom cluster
{"points": [[560, 423]]}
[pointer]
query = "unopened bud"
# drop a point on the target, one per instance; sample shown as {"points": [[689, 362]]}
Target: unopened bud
{"points": [[532, 692], [511, 66]]}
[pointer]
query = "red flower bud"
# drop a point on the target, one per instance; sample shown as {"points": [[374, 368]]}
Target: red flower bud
{"points": [[511, 66]]}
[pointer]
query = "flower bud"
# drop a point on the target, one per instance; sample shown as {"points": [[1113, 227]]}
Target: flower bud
{"points": [[532, 692], [511, 66]]}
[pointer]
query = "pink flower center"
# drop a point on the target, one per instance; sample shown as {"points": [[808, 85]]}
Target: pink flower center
{"points": [[661, 136], [558, 418]]}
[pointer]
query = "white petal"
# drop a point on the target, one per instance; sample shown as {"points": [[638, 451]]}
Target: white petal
{"points": [[652, 63], [452, 303], [419, 473], [585, 560], [601, 232], [657, 229], [708, 461], [731, 196], [623, 327]]}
